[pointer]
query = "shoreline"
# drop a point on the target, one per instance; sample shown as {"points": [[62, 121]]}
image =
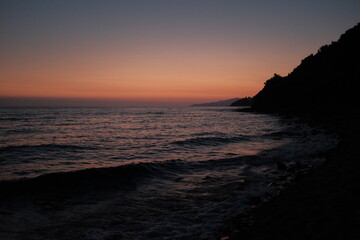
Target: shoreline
{"points": [[321, 204]]}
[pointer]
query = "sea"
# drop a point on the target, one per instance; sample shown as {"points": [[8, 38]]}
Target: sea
{"points": [[144, 173]]}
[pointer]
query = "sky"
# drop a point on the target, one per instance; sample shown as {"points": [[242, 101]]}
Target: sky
{"points": [[157, 52]]}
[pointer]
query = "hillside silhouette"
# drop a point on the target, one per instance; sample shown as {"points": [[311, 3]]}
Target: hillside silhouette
{"points": [[321, 204], [221, 103], [324, 84], [246, 101]]}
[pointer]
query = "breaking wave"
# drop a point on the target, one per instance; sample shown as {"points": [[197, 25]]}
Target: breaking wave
{"points": [[211, 141]]}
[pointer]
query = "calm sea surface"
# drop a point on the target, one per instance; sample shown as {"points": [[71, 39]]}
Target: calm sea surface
{"points": [[175, 173]]}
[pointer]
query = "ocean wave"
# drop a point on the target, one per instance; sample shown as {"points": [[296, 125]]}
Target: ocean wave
{"points": [[280, 135], [11, 119], [206, 134], [44, 147], [124, 176], [22, 131], [211, 141], [155, 113]]}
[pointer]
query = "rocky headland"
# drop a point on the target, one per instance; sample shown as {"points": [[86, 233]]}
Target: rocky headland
{"points": [[324, 203]]}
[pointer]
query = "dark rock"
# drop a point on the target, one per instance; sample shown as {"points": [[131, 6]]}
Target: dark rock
{"points": [[246, 101], [323, 87], [235, 235], [291, 168], [281, 166]]}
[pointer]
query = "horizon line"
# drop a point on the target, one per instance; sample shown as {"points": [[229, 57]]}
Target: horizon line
{"points": [[6, 101]]}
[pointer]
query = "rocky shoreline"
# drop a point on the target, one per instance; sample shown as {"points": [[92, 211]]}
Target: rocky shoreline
{"points": [[324, 203], [321, 204]]}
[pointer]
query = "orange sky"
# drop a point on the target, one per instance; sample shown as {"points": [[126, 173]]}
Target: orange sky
{"points": [[161, 72], [152, 51]]}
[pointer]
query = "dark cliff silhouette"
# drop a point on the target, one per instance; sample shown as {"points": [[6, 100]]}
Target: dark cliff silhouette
{"points": [[246, 101], [321, 204], [324, 84]]}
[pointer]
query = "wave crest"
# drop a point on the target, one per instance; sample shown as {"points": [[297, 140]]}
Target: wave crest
{"points": [[211, 141], [42, 147]]}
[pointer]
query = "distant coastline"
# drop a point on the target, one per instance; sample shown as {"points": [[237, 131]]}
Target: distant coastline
{"points": [[221, 103]]}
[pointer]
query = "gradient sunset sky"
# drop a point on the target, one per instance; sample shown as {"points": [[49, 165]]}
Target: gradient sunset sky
{"points": [[157, 52]]}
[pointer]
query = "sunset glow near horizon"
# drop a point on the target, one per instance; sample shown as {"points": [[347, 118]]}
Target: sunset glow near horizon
{"points": [[158, 52]]}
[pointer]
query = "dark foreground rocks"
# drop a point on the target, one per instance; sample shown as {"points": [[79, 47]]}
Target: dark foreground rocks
{"points": [[325, 204]]}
